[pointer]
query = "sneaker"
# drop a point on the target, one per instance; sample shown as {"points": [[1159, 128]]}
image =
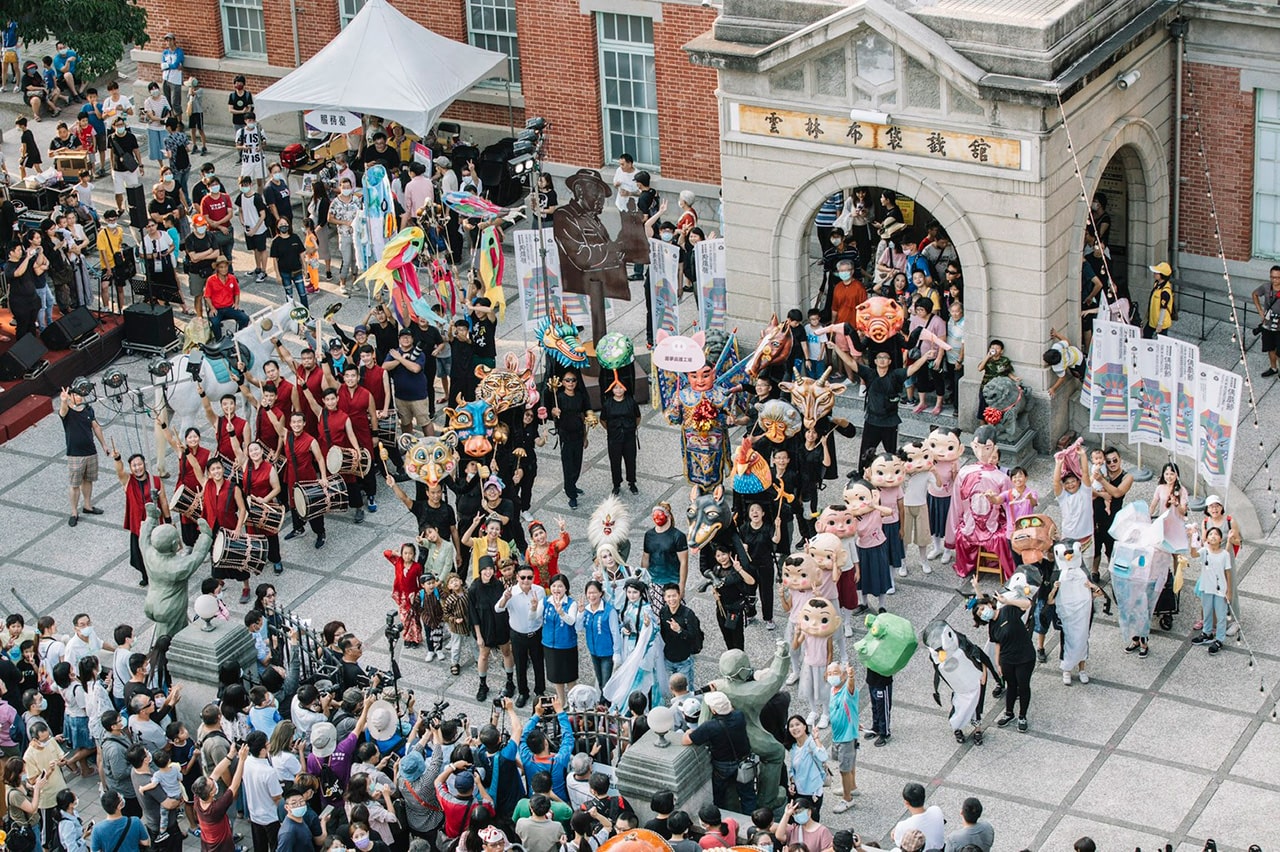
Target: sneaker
{"points": [[1269, 372], [842, 805], [162, 837], [926, 568], [1215, 647], [359, 516], [959, 735], [977, 737], [328, 275], [293, 534], [373, 505], [509, 690], [1041, 656], [633, 488], [1202, 639], [522, 700], [870, 735], [1142, 652], [823, 721], [1022, 726], [277, 568], [848, 630], [1066, 678], [73, 520], [483, 692], [947, 555], [769, 625], [902, 570], [881, 741], [793, 678], [1132, 646], [319, 542], [812, 718], [1003, 721], [892, 591], [244, 596], [1084, 677], [617, 489], [573, 502], [935, 550]]}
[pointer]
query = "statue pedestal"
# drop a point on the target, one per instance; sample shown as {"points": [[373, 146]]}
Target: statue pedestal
{"points": [[646, 769], [194, 658], [1021, 452]]}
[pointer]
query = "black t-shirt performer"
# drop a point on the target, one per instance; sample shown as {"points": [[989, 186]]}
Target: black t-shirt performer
{"points": [[80, 427]]}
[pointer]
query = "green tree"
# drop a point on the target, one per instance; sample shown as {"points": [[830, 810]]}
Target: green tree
{"points": [[98, 30]]}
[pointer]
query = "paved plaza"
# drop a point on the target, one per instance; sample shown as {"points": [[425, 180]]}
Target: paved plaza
{"points": [[1175, 748]]}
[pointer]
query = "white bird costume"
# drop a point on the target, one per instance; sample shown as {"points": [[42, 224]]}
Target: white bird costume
{"points": [[961, 664], [1074, 603]]}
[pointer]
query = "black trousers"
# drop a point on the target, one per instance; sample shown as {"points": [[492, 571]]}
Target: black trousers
{"points": [[734, 637], [190, 532], [264, 836], [764, 586], [24, 317], [524, 488], [571, 460], [873, 436], [527, 648], [317, 523], [622, 451], [1017, 687]]}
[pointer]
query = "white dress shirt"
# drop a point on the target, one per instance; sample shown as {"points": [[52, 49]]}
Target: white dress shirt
{"points": [[523, 609]]}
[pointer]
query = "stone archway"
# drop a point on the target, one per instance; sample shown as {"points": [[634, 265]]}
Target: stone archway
{"points": [[789, 247], [1136, 147]]}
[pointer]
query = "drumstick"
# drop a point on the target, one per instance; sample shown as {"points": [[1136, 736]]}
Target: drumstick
{"points": [[382, 453]]}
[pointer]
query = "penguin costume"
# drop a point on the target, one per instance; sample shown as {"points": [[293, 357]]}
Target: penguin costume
{"points": [[963, 665], [1072, 601]]}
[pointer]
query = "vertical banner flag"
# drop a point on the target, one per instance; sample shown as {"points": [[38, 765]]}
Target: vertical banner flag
{"points": [[1186, 361], [533, 295], [1217, 414], [664, 277], [710, 266], [1152, 376], [1108, 391], [1086, 384]]}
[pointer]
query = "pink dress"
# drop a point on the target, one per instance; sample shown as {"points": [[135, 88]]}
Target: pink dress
{"points": [[978, 522]]}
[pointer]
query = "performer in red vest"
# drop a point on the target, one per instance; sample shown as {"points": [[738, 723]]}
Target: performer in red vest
{"points": [[231, 430], [357, 403], [190, 457], [140, 488], [302, 463], [261, 485], [337, 430]]}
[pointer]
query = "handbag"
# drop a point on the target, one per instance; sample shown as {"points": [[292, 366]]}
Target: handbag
{"points": [[845, 220], [19, 837], [748, 767]]}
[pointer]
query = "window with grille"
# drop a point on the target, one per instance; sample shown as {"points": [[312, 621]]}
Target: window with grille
{"points": [[628, 87], [348, 9], [491, 24], [243, 33], [1266, 177]]}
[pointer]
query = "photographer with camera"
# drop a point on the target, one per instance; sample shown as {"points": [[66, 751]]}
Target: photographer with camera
{"points": [[457, 805], [350, 672], [330, 758], [1267, 300], [535, 747], [415, 780]]}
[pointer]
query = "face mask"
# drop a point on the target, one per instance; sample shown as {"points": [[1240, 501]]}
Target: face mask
{"points": [[844, 276], [283, 229], [800, 817], [120, 131], [346, 193], [215, 188], [277, 177], [834, 680], [246, 187], [667, 236], [298, 812], [988, 614], [363, 843], [201, 231], [659, 518], [44, 704], [250, 126], [835, 241]]}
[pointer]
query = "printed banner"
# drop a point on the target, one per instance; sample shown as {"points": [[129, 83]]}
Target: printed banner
{"points": [[710, 265], [1186, 362], [1218, 394], [664, 277], [1086, 384], [1152, 377], [1108, 390], [533, 294]]}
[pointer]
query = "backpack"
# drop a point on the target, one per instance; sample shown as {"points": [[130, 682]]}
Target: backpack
{"points": [[293, 155], [181, 160]]}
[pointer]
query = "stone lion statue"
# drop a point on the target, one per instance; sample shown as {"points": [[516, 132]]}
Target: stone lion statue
{"points": [[1007, 403]]}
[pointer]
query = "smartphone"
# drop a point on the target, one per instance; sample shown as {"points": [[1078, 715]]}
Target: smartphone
{"points": [[473, 731], [324, 814]]}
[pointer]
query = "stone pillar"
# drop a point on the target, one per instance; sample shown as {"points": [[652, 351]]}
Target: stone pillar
{"points": [[194, 658], [646, 769]]}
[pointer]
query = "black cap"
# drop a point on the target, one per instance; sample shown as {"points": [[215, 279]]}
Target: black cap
{"points": [[406, 332]]}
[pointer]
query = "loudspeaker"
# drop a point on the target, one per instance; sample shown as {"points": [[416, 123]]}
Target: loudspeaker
{"points": [[149, 325], [22, 357], [69, 329]]}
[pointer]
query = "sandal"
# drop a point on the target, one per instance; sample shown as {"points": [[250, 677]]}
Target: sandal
{"points": [[455, 670]]}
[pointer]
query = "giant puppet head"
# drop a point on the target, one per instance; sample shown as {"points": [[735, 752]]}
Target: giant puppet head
{"points": [[610, 524], [915, 457], [800, 573], [778, 420], [818, 618], [1033, 536], [837, 520], [886, 470], [431, 459], [713, 343], [861, 498], [473, 422], [1068, 558], [708, 515], [888, 645], [827, 551], [751, 473], [774, 348], [943, 645], [879, 318], [1023, 584], [559, 337], [813, 398], [511, 386], [944, 445]]}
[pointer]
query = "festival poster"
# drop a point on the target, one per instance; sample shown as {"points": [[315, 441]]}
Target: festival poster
{"points": [[1108, 389], [709, 261], [1186, 360], [1086, 384], [1152, 377], [664, 277], [533, 295], [1217, 400]]}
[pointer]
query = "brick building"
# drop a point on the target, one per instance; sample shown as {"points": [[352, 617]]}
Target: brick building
{"points": [[1231, 95], [610, 76]]}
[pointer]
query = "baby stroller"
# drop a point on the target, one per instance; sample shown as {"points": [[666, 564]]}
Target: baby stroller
{"points": [[1169, 603]]}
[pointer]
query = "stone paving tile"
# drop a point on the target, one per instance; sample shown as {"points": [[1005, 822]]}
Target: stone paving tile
{"points": [[1217, 735], [1238, 815], [1057, 766], [1105, 796], [1257, 760], [1106, 835]]}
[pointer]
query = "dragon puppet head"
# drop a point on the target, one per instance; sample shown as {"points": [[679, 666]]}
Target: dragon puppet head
{"points": [[473, 422], [559, 337], [879, 318]]}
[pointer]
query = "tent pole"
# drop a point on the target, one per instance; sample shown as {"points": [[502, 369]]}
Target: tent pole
{"points": [[511, 110], [297, 61]]}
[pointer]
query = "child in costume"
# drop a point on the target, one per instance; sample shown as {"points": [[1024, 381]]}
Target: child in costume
{"points": [[432, 617], [886, 473], [914, 519], [799, 575], [945, 449], [454, 605], [829, 553], [1020, 500], [819, 621], [873, 547]]}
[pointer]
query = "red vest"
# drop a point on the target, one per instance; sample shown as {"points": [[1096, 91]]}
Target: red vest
{"points": [[258, 478], [371, 380], [333, 430], [356, 407], [284, 399], [219, 505], [237, 427], [312, 380], [137, 494], [187, 472], [265, 432], [300, 464]]}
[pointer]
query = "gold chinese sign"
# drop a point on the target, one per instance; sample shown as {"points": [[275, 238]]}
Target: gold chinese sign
{"points": [[921, 141]]}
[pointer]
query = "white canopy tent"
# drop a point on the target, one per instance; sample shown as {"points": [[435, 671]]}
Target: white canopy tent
{"points": [[385, 64]]}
